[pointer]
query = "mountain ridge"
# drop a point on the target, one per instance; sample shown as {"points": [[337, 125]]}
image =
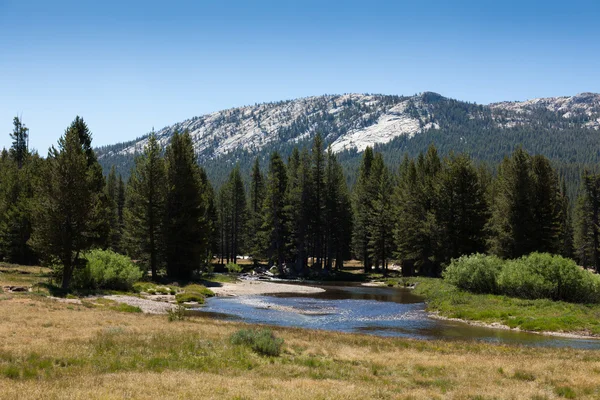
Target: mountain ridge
{"points": [[564, 128]]}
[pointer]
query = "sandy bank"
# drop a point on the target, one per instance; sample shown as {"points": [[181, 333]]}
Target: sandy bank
{"points": [[245, 288]]}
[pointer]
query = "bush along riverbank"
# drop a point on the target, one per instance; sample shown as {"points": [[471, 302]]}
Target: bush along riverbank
{"points": [[527, 294]]}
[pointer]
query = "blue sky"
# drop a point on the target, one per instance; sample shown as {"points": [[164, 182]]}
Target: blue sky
{"points": [[128, 66]]}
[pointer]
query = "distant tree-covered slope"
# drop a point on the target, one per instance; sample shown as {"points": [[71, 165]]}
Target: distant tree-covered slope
{"points": [[565, 129]]}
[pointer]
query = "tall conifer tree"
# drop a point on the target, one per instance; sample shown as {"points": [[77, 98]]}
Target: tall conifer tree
{"points": [[275, 222], [186, 237], [66, 210], [144, 213]]}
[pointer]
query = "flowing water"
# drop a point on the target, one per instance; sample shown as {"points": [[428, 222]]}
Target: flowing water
{"points": [[372, 310]]}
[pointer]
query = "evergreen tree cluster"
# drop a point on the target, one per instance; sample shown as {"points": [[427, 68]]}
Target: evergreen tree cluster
{"points": [[298, 215]]}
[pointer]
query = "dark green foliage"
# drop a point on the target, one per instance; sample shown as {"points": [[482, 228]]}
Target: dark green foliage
{"points": [[317, 202], [462, 210], [298, 209], [187, 231], [527, 214], [233, 216], [338, 214], [17, 191], [274, 217], [262, 341], [587, 228], [144, 214], [68, 204], [114, 215], [379, 210], [254, 240], [19, 150], [417, 230], [361, 198]]}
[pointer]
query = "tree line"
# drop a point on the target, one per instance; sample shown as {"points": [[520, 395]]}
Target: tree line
{"points": [[297, 215]]}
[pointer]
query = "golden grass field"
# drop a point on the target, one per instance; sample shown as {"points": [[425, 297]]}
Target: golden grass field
{"points": [[55, 350]]}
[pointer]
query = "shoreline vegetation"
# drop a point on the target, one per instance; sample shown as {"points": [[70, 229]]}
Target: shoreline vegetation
{"points": [[444, 301], [540, 316]]}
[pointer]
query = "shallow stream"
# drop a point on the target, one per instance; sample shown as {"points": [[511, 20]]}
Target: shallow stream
{"points": [[372, 310]]}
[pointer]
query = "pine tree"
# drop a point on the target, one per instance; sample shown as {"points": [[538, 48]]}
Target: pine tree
{"points": [[186, 234], [114, 238], [462, 210], [16, 201], [225, 218], [361, 195], [512, 214], [257, 195], [587, 228], [20, 136], [338, 214], [317, 202], [144, 213], [210, 217], [380, 226], [409, 215], [274, 223], [298, 208], [65, 211], [120, 209], [417, 230], [238, 212], [547, 206], [566, 224]]}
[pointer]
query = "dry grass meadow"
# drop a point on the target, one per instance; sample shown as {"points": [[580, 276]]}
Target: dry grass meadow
{"points": [[55, 350]]}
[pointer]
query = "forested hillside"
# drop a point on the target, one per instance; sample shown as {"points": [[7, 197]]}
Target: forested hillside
{"points": [[564, 129]]}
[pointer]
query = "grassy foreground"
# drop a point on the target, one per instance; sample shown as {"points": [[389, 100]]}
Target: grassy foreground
{"points": [[51, 350], [531, 315]]}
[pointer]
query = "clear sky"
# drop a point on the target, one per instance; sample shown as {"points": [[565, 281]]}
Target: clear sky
{"points": [[127, 66]]}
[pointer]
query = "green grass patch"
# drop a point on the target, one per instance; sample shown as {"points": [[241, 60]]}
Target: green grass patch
{"points": [[532, 315], [153, 288], [220, 278], [565, 391], [262, 341], [523, 376], [194, 293]]}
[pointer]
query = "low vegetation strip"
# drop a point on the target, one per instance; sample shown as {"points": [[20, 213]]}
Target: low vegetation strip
{"points": [[56, 350], [535, 276], [537, 315]]}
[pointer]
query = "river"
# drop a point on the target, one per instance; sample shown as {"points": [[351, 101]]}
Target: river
{"points": [[377, 311]]}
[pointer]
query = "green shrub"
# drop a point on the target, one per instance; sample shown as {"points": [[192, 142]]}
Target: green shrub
{"points": [[262, 341], [476, 273], [176, 314], [536, 276], [190, 297], [232, 267], [546, 276], [106, 269], [195, 293]]}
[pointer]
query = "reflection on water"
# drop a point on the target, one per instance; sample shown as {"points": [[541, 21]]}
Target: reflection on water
{"points": [[371, 310]]}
